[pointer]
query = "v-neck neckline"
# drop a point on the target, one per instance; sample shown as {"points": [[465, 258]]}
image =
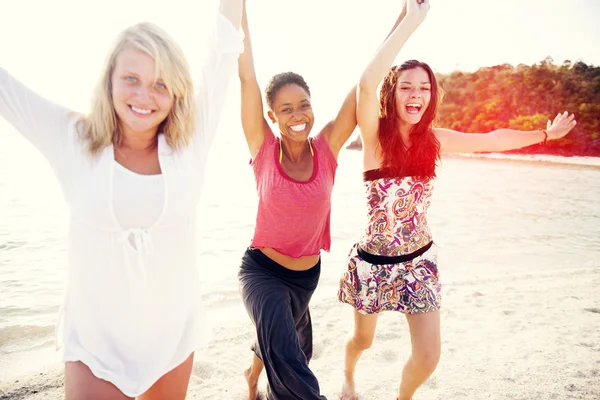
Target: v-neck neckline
{"points": [[289, 178], [163, 147]]}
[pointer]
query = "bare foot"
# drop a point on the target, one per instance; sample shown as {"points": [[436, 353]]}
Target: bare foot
{"points": [[252, 384], [348, 392], [398, 395]]}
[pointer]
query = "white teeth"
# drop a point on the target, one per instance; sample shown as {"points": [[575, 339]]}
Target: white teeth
{"points": [[298, 128], [141, 110], [413, 105]]}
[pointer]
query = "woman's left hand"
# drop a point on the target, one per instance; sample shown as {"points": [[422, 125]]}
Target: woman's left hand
{"points": [[417, 9], [562, 124]]}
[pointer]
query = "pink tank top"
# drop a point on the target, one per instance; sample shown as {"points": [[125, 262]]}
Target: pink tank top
{"points": [[293, 216]]}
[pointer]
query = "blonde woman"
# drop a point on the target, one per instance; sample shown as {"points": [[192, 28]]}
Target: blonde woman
{"points": [[132, 172]]}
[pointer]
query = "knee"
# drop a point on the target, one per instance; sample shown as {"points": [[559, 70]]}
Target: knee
{"points": [[362, 341], [427, 359]]}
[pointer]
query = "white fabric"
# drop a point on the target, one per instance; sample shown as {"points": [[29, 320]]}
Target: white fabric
{"points": [[138, 200], [132, 308]]}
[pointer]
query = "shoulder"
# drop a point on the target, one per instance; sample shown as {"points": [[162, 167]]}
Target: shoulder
{"points": [[270, 140], [323, 149]]}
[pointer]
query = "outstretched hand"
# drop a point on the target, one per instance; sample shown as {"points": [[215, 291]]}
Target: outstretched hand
{"points": [[562, 124], [417, 8]]}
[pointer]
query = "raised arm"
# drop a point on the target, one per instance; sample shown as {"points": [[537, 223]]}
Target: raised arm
{"points": [[254, 123], [225, 48], [503, 139], [42, 122], [339, 129], [367, 108]]}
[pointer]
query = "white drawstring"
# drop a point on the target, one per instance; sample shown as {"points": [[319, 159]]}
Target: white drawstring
{"points": [[140, 242]]}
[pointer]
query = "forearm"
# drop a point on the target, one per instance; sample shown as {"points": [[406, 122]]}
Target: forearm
{"points": [[225, 48], [379, 66], [510, 139], [398, 21], [41, 121], [246, 69]]}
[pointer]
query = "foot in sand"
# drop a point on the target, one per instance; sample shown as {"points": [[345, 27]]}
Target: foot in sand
{"points": [[348, 392]]}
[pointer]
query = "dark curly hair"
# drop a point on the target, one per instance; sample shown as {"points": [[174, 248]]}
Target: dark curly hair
{"points": [[420, 159], [280, 80]]}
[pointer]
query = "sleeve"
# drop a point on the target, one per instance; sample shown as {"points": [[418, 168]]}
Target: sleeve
{"points": [[266, 145], [42, 122], [225, 47], [320, 142]]}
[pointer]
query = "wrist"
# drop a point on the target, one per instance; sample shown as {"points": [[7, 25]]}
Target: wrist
{"points": [[413, 19], [545, 138]]}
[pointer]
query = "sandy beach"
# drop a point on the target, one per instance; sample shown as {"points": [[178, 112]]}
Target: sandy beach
{"points": [[529, 336], [519, 263]]}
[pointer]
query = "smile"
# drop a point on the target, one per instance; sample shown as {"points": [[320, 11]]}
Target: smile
{"points": [[298, 128], [413, 108], [141, 111]]}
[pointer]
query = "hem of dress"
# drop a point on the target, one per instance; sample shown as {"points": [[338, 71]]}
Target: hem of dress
{"points": [[110, 377], [362, 311]]}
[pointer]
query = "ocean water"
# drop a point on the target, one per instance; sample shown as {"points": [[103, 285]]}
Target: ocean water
{"points": [[491, 217]]}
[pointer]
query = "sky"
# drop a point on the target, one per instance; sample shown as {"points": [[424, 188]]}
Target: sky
{"points": [[58, 47]]}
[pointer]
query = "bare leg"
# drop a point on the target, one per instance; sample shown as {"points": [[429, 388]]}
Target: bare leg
{"points": [[362, 339], [426, 346], [172, 385], [81, 383], [252, 374]]}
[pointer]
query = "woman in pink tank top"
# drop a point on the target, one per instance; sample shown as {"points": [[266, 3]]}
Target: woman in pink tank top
{"points": [[394, 265], [294, 179]]}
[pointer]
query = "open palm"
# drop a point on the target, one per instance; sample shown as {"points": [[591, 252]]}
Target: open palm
{"points": [[562, 124]]}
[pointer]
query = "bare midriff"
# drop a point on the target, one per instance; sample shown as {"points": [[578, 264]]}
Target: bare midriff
{"points": [[295, 264]]}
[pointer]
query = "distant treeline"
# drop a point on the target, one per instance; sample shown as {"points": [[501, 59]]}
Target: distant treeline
{"points": [[525, 97]]}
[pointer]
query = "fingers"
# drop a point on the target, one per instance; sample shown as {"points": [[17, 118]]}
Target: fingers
{"points": [[562, 124], [556, 119], [564, 116]]}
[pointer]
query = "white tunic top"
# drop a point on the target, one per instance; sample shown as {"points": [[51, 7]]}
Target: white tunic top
{"points": [[138, 199], [132, 310]]}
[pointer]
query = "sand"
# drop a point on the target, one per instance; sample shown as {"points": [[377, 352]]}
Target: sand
{"points": [[525, 337]]}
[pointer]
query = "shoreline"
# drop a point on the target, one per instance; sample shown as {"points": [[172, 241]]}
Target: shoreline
{"points": [[571, 159]]}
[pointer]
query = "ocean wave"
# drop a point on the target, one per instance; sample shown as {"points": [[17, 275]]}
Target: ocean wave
{"points": [[17, 333]]}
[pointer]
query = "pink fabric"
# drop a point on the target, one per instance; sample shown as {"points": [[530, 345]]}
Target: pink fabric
{"points": [[293, 217]]}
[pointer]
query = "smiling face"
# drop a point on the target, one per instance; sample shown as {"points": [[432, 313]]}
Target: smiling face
{"points": [[140, 98], [292, 111], [413, 95]]}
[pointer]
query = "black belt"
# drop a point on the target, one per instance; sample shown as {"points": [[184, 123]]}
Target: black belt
{"points": [[382, 260]]}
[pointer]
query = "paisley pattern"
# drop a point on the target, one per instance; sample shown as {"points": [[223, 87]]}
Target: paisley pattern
{"points": [[396, 226], [410, 287], [396, 215]]}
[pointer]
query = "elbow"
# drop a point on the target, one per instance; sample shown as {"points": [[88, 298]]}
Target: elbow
{"points": [[366, 90], [365, 86], [500, 141], [246, 78], [245, 74]]}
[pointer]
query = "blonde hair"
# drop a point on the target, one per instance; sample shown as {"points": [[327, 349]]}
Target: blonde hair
{"points": [[100, 128]]}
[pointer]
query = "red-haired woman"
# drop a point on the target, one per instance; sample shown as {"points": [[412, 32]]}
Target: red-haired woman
{"points": [[394, 265]]}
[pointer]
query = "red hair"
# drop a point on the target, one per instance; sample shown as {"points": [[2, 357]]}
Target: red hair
{"points": [[420, 159]]}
